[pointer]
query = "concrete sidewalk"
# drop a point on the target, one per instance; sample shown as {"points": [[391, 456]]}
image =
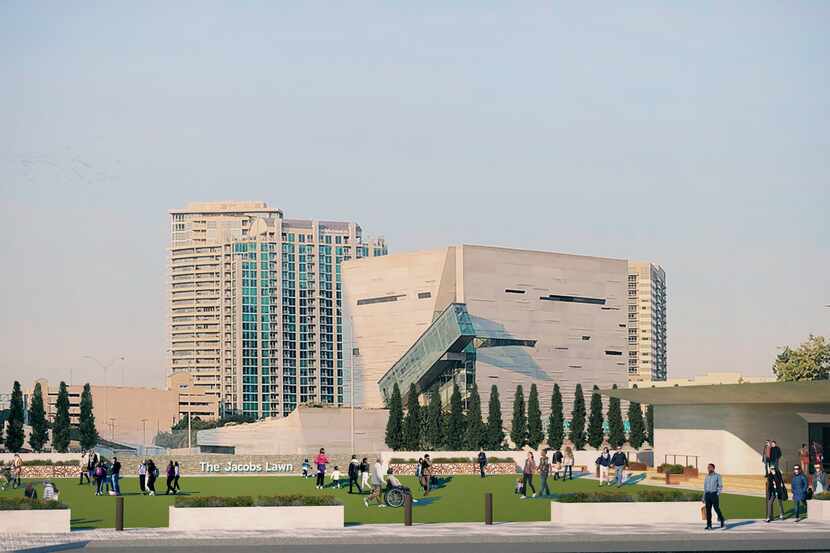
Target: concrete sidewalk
{"points": [[740, 534]]}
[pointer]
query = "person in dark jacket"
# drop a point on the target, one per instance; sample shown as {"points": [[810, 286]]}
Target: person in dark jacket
{"points": [[603, 462], [29, 491], [354, 474], [152, 474], [619, 462], [799, 487], [115, 476], [171, 475], [482, 462], [556, 462], [776, 490], [774, 455]]}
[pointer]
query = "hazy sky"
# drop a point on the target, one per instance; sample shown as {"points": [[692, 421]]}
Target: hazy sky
{"points": [[693, 134]]}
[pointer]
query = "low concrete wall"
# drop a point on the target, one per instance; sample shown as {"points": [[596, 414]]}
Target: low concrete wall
{"points": [[625, 513], [51, 521], [818, 510], [255, 518]]}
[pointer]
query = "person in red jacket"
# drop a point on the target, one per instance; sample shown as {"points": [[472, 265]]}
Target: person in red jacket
{"points": [[320, 461]]}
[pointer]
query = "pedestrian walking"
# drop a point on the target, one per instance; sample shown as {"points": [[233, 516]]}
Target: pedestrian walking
{"points": [[152, 475], [377, 485], [91, 464], [426, 474], [799, 489], [712, 488], [17, 470], [115, 476], [804, 459], [527, 474], [556, 461], [354, 474], [171, 474], [100, 476], [774, 455], [177, 473], [84, 470], [306, 468], [320, 462], [765, 455], [603, 462], [364, 474], [776, 491], [819, 480], [568, 463], [142, 476], [544, 471], [619, 462], [482, 462]]}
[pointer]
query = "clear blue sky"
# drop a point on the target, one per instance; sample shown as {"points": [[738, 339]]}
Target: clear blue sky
{"points": [[696, 135]]}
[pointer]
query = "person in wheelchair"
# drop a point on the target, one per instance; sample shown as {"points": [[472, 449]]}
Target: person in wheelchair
{"points": [[396, 492]]}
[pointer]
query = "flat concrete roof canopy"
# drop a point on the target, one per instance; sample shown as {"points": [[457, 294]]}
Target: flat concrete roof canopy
{"points": [[810, 392]]}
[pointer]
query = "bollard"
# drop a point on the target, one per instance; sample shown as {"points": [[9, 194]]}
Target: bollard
{"points": [[407, 510], [488, 508], [119, 513]]}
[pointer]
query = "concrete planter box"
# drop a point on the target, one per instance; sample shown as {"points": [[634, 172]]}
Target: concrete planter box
{"points": [[625, 513], [673, 479], [40, 521], [690, 472], [818, 510], [255, 518]]}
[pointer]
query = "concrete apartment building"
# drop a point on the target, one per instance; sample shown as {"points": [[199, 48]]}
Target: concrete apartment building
{"points": [[255, 304], [647, 356], [488, 315]]}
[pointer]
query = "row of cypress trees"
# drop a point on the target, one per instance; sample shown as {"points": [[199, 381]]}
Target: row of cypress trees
{"points": [[430, 428], [14, 434]]}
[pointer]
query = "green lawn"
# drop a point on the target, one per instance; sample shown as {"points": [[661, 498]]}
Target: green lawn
{"points": [[460, 499]]}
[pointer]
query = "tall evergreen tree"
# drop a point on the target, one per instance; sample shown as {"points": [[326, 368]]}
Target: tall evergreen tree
{"points": [[89, 435], [394, 425], [412, 421], [434, 435], [578, 419], [476, 432], [616, 429], [518, 427], [650, 424], [455, 425], [535, 431], [595, 432], [14, 422], [37, 420], [495, 426], [636, 430], [556, 421], [60, 428]]}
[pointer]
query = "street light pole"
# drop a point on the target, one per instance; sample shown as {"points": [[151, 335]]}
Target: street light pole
{"points": [[144, 432], [106, 366], [351, 378]]}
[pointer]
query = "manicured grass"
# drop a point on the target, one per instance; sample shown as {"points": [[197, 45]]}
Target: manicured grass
{"points": [[459, 499]]}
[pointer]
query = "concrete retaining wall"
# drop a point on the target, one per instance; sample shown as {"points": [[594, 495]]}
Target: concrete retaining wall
{"points": [[255, 518], [443, 469], [625, 513], [51, 521]]}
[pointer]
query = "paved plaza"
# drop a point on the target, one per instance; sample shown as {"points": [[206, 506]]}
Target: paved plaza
{"points": [[739, 535]]}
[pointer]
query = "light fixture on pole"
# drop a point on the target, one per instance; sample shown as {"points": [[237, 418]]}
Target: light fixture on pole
{"points": [[105, 366]]}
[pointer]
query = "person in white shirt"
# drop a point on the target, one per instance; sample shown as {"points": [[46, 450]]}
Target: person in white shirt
{"points": [[50, 492], [335, 477], [377, 485]]}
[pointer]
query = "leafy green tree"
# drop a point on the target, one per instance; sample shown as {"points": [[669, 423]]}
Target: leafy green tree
{"points": [[809, 361], [637, 430], [394, 425], [89, 435], [616, 430], [650, 424], [556, 422], [14, 422], [60, 427], [434, 434], [476, 432], [412, 421], [578, 419], [518, 428], [495, 425], [535, 431], [595, 419], [37, 420], [455, 424]]}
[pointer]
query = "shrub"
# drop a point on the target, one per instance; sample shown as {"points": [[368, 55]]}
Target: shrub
{"points": [[640, 496], [500, 460], [286, 500], [23, 504], [669, 468], [825, 496]]}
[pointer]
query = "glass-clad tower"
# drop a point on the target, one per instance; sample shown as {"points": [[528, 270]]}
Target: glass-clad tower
{"points": [[255, 304]]}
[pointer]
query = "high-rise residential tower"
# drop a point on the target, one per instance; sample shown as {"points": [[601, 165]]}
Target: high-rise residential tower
{"points": [[646, 322], [255, 304]]}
